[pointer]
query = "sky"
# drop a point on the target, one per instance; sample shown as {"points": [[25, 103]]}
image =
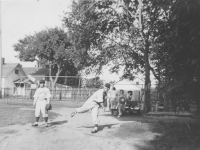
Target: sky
{"points": [[25, 17]]}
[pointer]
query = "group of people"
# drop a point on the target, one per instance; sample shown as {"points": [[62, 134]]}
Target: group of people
{"points": [[118, 101], [93, 104]]}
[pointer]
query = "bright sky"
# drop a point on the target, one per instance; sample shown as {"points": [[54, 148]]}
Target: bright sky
{"points": [[24, 17]]}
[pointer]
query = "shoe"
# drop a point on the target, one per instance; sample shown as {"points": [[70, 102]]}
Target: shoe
{"points": [[119, 116], [46, 125], [72, 114], [94, 131], [35, 125]]}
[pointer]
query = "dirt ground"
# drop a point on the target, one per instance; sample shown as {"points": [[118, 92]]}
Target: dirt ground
{"points": [[75, 133]]}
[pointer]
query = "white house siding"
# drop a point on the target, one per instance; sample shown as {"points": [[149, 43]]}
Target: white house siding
{"points": [[12, 77], [2, 86]]}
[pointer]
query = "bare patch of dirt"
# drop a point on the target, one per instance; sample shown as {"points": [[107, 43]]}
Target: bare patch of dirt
{"points": [[75, 133]]}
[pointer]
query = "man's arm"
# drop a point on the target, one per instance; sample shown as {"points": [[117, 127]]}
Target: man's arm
{"points": [[35, 98], [48, 100], [48, 97], [99, 98], [34, 102]]}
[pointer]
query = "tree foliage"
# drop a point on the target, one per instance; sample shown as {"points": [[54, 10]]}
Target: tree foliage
{"points": [[180, 64], [117, 35], [140, 36], [51, 48], [160, 36], [94, 83]]}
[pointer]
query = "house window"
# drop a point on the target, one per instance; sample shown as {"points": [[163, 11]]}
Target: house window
{"points": [[137, 83], [16, 71]]}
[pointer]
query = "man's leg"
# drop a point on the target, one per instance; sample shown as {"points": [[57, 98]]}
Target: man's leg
{"points": [[86, 107], [108, 104], [46, 121], [44, 112], [95, 118], [120, 110], [37, 113]]}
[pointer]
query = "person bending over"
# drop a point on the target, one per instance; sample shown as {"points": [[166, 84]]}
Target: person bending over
{"points": [[93, 104]]}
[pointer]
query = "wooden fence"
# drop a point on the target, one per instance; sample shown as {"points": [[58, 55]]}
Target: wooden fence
{"points": [[70, 94]]}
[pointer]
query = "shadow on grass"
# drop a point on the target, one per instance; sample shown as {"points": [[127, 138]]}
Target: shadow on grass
{"points": [[174, 135], [125, 117], [133, 117], [100, 127], [54, 123]]}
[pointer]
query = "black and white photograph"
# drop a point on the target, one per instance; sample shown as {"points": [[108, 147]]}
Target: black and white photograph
{"points": [[99, 74]]}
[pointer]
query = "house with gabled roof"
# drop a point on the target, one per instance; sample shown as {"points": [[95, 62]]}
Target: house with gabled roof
{"points": [[35, 74], [14, 79]]}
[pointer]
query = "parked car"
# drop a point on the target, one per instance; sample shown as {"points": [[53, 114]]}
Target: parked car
{"points": [[133, 108]]}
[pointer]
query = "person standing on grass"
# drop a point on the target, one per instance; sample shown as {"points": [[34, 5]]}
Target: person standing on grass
{"points": [[121, 103], [113, 100], [41, 99], [94, 103]]}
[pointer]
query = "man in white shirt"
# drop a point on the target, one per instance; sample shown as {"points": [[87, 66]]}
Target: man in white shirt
{"points": [[113, 100], [93, 104], [41, 99]]}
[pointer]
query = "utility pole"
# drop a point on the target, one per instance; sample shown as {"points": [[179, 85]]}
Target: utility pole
{"points": [[0, 55]]}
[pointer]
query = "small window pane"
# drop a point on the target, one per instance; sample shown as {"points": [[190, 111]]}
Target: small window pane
{"points": [[16, 71]]}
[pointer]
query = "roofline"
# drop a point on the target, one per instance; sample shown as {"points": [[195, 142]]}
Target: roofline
{"points": [[13, 69]]}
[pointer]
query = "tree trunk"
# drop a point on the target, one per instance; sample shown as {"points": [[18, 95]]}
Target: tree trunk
{"points": [[53, 81], [166, 102], [147, 105], [160, 94], [50, 77], [198, 107]]}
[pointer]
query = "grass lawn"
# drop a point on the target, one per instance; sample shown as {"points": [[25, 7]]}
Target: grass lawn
{"points": [[178, 136], [21, 112], [174, 134]]}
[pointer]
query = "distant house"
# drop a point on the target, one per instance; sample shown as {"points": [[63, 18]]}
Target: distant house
{"points": [[35, 74], [14, 80]]}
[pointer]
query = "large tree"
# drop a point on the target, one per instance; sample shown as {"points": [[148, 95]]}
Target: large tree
{"points": [[122, 32], [179, 64], [50, 48]]}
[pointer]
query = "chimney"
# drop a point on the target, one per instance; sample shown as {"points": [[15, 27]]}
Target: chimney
{"points": [[3, 61]]}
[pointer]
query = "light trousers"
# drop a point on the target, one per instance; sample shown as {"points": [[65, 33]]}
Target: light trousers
{"points": [[94, 107], [41, 107], [113, 103], [121, 107]]}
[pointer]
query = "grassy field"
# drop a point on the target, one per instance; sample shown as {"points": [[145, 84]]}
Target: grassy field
{"points": [[22, 112], [174, 134]]}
